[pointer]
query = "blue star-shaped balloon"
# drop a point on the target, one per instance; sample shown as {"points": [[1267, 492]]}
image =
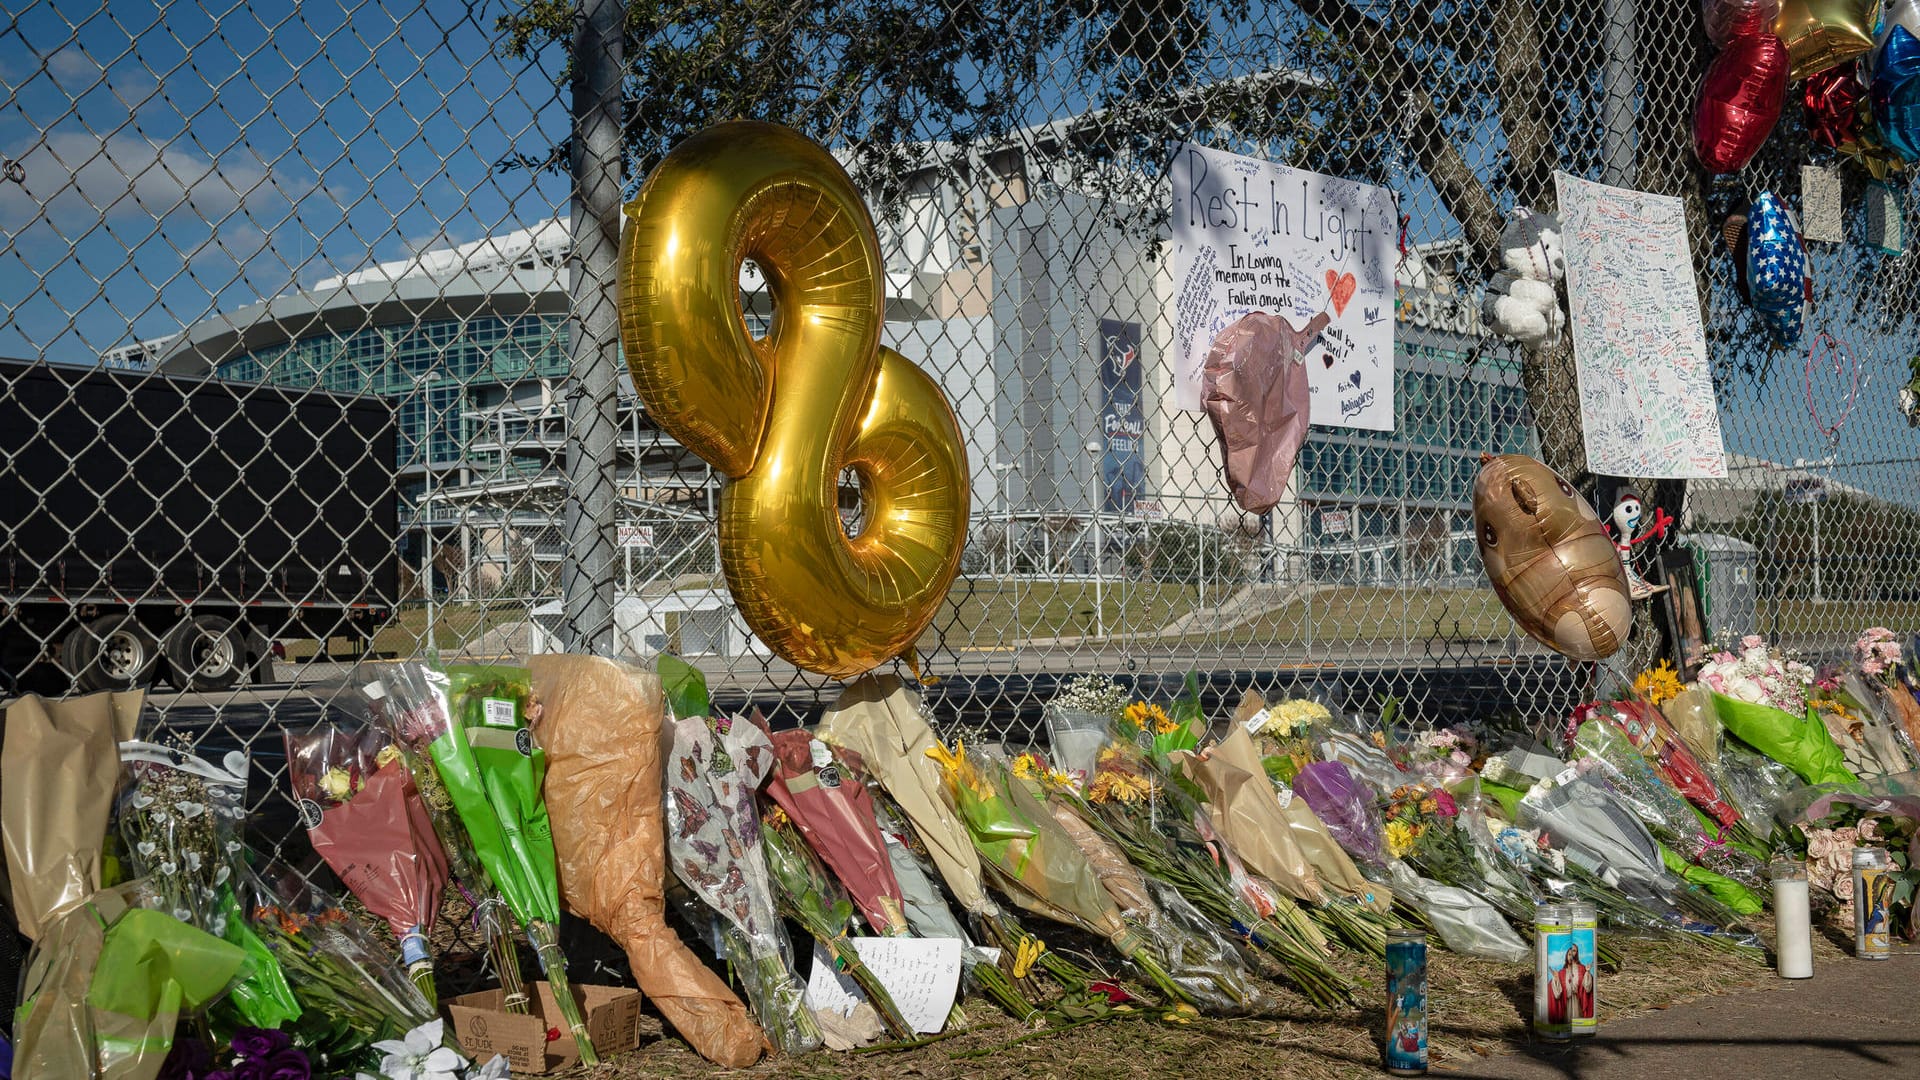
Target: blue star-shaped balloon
{"points": [[1895, 92], [1777, 268]]}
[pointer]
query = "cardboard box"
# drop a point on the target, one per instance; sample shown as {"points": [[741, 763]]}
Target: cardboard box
{"points": [[484, 1028]]}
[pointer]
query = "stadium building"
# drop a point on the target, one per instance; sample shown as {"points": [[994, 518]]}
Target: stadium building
{"points": [[1047, 332]]}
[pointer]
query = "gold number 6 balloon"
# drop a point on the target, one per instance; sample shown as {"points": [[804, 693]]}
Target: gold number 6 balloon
{"points": [[784, 415]]}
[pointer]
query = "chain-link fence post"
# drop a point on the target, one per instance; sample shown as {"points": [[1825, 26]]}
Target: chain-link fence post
{"points": [[587, 575]]}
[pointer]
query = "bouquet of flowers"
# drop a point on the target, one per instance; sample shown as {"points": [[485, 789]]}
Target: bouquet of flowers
{"points": [[107, 982], [713, 837], [836, 817], [493, 768], [179, 819], [1882, 662], [1195, 957], [810, 896], [602, 724], [1648, 732], [1604, 753], [1034, 862], [1863, 710], [351, 993], [1439, 756], [365, 818], [1345, 804], [1078, 719], [1167, 835], [408, 702], [884, 725], [1283, 733], [1761, 698]]}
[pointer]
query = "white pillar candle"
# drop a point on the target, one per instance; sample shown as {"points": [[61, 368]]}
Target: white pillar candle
{"points": [[1793, 928]]}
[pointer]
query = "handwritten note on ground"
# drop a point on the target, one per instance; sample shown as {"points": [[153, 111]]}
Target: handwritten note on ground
{"points": [[1249, 235], [922, 975], [1646, 392]]}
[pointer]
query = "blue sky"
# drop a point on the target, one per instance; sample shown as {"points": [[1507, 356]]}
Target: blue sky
{"points": [[180, 163]]}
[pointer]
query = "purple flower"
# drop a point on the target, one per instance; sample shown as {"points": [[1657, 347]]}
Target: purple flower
{"points": [[289, 1065], [259, 1043], [251, 1069]]}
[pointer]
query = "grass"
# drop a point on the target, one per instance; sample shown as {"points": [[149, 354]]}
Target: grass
{"points": [[1838, 619], [991, 613], [1477, 1008]]}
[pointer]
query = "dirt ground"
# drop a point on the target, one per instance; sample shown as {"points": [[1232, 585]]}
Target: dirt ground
{"points": [[1477, 1008]]}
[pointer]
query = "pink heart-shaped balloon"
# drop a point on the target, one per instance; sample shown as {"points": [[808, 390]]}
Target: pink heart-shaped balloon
{"points": [[1256, 393], [1831, 361]]}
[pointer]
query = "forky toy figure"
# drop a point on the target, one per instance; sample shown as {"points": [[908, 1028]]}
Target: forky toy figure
{"points": [[1626, 518]]}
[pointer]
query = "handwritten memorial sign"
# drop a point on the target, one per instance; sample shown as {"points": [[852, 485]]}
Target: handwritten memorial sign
{"points": [[1646, 393], [1249, 235], [921, 974]]}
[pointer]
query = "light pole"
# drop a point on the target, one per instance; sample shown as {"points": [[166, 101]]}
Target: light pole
{"points": [[1005, 499], [1099, 548]]}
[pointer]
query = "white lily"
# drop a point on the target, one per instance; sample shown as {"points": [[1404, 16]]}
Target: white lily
{"points": [[421, 1055]]}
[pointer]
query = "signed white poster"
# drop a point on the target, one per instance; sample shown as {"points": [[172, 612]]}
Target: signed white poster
{"points": [[1249, 235], [1646, 391]]}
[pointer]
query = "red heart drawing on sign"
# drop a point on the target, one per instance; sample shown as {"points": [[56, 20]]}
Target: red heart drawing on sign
{"points": [[1342, 287], [1829, 356]]}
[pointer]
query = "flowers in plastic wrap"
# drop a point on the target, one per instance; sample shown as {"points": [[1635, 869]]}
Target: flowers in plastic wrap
{"points": [[809, 895], [1034, 862], [881, 721], [408, 702], [1659, 684], [713, 839], [1344, 803], [180, 818], [1282, 732], [1440, 755], [837, 819], [1647, 731], [1758, 675], [493, 768], [350, 991], [602, 724], [107, 982], [61, 767], [365, 818], [1169, 837], [1195, 957]]}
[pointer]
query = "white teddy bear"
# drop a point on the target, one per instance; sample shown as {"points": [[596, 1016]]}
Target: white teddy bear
{"points": [[1522, 303]]}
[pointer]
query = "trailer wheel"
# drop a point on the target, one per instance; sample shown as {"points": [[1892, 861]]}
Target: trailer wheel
{"points": [[113, 652], [204, 654]]}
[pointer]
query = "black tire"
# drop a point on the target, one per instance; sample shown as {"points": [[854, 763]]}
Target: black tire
{"points": [[113, 652], [205, 654]]}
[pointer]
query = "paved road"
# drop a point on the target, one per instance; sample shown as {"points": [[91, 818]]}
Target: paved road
{"points": [[1854, 1019]]}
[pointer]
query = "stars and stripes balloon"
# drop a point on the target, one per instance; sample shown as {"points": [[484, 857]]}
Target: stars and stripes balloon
{"points": [[1775, 264]]}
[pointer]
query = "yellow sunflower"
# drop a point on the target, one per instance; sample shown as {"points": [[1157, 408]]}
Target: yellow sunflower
{"points": [[1659, 684], [1150, 718]]}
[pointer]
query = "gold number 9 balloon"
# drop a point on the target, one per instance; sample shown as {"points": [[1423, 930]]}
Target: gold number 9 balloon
{"points": [[782, 416], [1548, 558]]}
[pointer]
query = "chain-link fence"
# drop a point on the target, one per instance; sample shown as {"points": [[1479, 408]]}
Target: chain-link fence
{"points": [[310, 318]]}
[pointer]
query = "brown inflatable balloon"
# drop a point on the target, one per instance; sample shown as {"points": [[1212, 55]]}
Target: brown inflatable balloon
{"points": [[1256, 393], [1548, 558], [783, 416]]}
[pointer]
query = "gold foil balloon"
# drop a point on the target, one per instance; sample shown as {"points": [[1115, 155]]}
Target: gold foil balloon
{"points": [[1548, 558], [1822, 34], [784, 415]]}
